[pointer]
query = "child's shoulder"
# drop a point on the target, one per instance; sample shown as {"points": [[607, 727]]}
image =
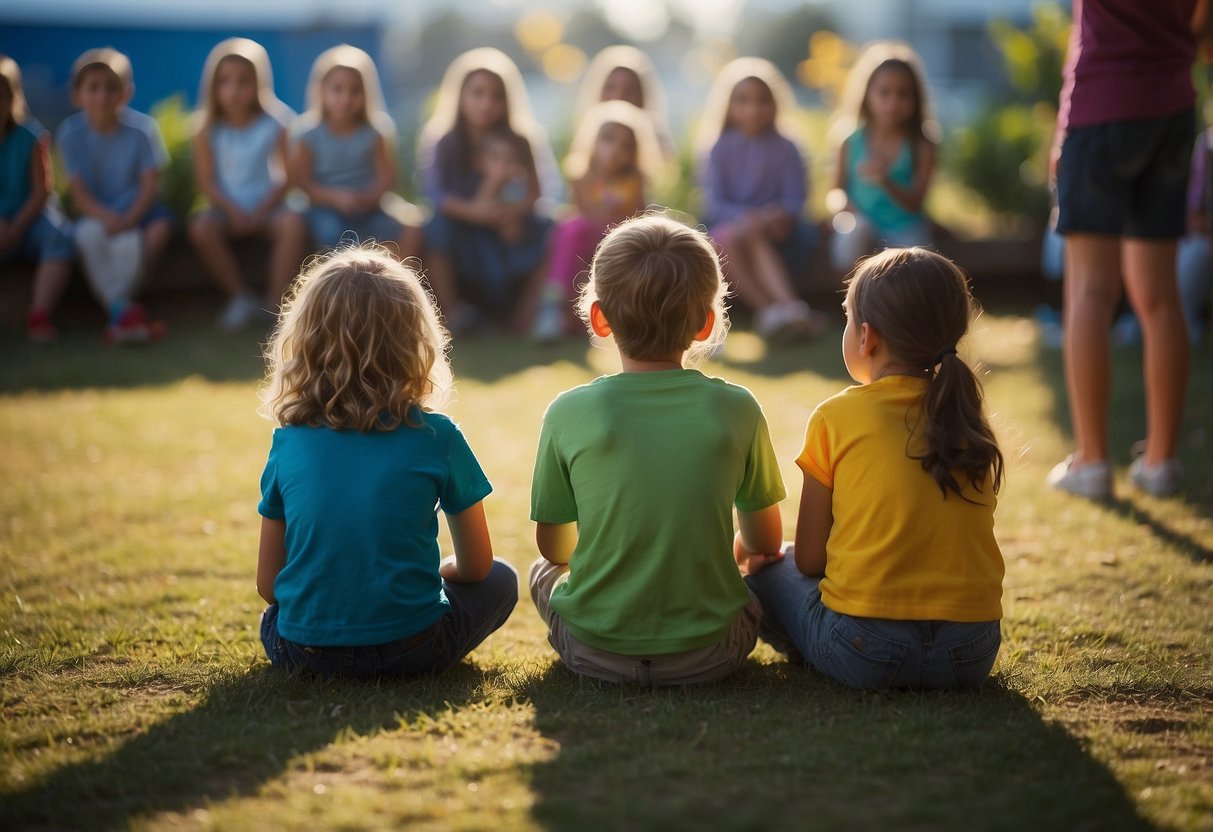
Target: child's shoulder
{"points": [[74, 124], [136, 120]]}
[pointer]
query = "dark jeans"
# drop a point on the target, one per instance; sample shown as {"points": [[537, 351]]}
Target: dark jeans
{"points": [[476, 611]]}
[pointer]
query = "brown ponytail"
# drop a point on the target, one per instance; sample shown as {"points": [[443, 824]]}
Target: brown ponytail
{"points": [[919, 303]]}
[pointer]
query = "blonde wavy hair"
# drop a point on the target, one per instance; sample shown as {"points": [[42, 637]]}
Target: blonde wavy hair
{"points": [[357, 346], [254, 55], [10, 73], [656, 281], [715, 117]]}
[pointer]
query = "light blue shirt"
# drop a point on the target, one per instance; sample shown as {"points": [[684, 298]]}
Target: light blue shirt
{"points": [[362, 527], [342, 161], [112, 164], [244, 157]]}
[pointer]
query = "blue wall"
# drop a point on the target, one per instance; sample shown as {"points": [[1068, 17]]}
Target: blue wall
{"points": [[166, 61]]}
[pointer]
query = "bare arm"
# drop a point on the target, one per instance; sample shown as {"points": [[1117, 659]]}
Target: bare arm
{"points": [[759, 539], [813, 527], [836, 199], [556, 541], [149, 182], [385, 177], [301, 165], [473, 547], [39, 181], [271, 557], [274, 198], [204, 175], [911, 197]]}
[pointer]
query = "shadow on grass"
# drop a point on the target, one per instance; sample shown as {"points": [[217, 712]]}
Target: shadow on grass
{"points": [[242, 734], [781, 747]]}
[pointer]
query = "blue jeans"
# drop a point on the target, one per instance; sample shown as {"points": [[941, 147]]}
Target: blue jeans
{"points": [[476, 611], [329, 228], [870, 653]]}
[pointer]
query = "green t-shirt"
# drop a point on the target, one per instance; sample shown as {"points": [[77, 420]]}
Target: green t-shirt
{"points": [[649, 465]]}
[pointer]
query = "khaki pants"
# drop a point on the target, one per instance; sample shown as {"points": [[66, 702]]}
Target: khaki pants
{"points": [[704, 664]]}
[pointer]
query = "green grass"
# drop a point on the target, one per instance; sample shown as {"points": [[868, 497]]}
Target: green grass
{"points": [[134, 693]]}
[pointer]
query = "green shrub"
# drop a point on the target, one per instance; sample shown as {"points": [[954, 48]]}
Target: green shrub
{"points": [[177, 187]]}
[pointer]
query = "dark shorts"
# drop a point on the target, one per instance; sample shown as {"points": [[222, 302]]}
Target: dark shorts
{"points": [[1127, 178]]}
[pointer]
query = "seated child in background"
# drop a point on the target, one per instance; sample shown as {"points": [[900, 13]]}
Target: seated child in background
{"points": [[886, 162], [477, 262], [1195, 264], [349, 559], [501, 159], [624, 73], [343, 155], [895, 579], [637, 475], [113, 157], [239, 165], [31, 227], [614, 152], [754, 188]]}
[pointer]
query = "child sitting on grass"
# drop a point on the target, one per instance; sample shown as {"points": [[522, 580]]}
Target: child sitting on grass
{"points": [[349, 558], [637, 475], [895, 579], [113, 157]]}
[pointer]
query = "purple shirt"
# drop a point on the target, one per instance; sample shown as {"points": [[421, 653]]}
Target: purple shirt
{"points": [[748, 172], [1128, 60]]}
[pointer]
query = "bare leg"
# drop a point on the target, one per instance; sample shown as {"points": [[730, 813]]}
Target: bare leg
{"points": [[1092, 289], [440, 274], [737, 256], [50, 279], [528, 300], [155, 240], [769, 270], [1154, 293], [288, 233], [210, 243], [411, 242]]}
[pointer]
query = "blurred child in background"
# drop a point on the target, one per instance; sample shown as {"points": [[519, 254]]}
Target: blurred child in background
{"points": [[1195, 264], [31, 227], [349, 560], [887, 158], [113, 157], [624, 73], [239, 165], [754, 184], [614, 154], [343, 155], [483, 258]]}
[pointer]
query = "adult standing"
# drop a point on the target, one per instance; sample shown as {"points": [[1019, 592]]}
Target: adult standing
{"points": [[1125, 129]]}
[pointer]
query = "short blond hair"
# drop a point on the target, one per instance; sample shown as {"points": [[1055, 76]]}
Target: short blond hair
{"points": [[358, 344], [105, 57], [656, 281]]}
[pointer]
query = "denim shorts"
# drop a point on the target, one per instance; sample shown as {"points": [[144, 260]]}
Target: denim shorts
{"points": [[1126, 178], [48, 238], [330, 228], [870, 653], [476, 611]]}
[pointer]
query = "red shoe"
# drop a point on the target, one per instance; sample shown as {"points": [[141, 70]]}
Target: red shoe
{"points": [[135, 328], [39, 329]]}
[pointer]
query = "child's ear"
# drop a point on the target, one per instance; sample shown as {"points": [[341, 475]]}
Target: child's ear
{"points": [[598, 320], [869, 340], [706, 332]]}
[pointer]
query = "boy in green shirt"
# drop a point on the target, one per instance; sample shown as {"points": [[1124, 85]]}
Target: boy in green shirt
{"points": [[637, 475]]}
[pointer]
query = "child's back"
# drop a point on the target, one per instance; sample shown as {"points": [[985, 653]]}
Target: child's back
{"points": [[652, 490]]}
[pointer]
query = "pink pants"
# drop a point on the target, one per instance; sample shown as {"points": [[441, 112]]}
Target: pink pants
{"points": [[573, 243]]}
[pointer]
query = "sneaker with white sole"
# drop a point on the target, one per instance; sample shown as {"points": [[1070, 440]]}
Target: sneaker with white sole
{"points": [[1161, 480], [1092, 480]]}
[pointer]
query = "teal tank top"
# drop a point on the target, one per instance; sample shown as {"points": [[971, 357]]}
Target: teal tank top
{"points": [[871, 200]]}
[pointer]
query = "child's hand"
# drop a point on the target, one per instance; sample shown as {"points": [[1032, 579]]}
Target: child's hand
{"points": [[511, 231], [240, 223], [751, 563], [115, 224], [779, 223], [871, 171], [347, 202]]}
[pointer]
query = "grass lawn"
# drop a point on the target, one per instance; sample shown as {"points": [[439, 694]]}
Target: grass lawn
{"points": [[135, 693]]}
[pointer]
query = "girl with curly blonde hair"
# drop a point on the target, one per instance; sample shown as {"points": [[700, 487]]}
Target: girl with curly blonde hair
{"points": [[349, 560]]}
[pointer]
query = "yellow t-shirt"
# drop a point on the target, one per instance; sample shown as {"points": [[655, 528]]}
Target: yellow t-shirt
{"points": [[897, 548]]}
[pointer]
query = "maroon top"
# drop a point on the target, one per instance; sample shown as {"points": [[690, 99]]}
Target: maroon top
{"points": [[1128, 60]]}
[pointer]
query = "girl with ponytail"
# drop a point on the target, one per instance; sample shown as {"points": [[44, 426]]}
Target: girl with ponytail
{"points": [[895, 577]]}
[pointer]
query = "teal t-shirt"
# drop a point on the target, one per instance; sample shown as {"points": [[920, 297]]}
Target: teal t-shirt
{"points": [[650, 466], [16, 147], [873, 201], [361, 513]]}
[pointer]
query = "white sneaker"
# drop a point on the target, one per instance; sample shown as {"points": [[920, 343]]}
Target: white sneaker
{"points": [[240, 311], [1161, 480], [549, 324], [1092, 480]]}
